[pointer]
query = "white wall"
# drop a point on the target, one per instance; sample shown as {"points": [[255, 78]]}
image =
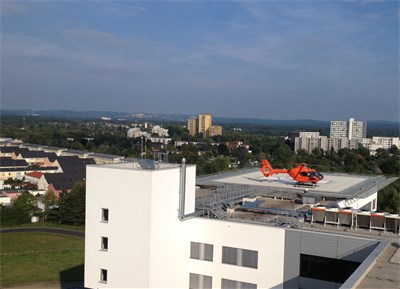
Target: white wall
{"points": [[127, 196], [268, 241], [358, 203], [149, 247]]}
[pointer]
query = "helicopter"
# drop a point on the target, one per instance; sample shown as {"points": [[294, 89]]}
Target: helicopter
{"points": [[302, 174]]}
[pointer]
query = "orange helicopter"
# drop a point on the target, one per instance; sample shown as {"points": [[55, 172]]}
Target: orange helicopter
{"points": [[302, 174]]}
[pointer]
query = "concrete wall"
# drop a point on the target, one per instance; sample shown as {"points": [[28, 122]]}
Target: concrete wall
{"points": [[320, 244], [128, 198], [268, 241], [149, 246]]}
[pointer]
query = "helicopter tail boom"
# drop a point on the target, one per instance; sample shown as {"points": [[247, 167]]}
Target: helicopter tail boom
{"points": [[267, 169]]}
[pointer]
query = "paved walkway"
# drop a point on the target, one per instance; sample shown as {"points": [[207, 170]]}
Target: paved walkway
{"points": [[45, 230], [385, 273], [47, 285]]}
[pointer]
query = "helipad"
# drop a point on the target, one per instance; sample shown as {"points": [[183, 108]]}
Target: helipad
{"points": [[335, 185]]}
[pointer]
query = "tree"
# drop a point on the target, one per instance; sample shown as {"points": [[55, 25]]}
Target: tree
{"points": [[20, 211], [51, 211], [242, 155], [26, 203], [72, 205], [389, 198], [223, 149]]}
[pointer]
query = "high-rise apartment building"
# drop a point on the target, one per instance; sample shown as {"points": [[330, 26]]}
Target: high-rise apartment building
{"points": [[205, 121], [352, 129], [338, 129], [192, 126], [309, 141], [215, 130], [357, 129]]}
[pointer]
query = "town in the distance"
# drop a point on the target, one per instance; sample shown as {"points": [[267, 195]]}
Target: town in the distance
{"points": [[202, 194]]}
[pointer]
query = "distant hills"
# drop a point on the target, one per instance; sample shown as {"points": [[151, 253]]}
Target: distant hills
{"points": [[70, 114]]}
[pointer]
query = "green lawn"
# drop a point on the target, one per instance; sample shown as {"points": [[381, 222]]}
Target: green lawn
{"points": [[33, 257]]}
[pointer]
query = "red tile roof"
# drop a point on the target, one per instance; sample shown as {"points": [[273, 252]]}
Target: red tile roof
{"points": [[35, 174]]}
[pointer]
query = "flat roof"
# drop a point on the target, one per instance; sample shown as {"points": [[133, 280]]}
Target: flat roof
{"points": [[335, 185], [138, 164]]}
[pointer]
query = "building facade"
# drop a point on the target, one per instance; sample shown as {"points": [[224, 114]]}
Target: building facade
{"points": [[215, 130], [133, 133], [205, 121], [192, 126], [308, 141], [151, 236], [357, 129], [338, 129], [378, 142], [351, 129]]}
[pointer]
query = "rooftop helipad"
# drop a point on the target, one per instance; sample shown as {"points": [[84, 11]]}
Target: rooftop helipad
{"points": [[342, 186]]}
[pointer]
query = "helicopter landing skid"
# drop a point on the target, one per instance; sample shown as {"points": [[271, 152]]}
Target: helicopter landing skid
{"points": [[307, 185]]}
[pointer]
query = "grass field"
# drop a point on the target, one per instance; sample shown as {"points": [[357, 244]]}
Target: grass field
{"points": [[33, 257]]}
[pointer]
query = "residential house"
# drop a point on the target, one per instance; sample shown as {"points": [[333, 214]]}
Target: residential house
{"points": [[33, 177], [9, 151], [37, 157]]}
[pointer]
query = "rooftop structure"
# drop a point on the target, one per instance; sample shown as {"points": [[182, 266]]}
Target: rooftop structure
{"points": [[164, 231]]}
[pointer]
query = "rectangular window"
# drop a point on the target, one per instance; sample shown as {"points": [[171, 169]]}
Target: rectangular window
{"points": [[197, 281], [201, 251], [229, 255], [104, 243], [104, 215], [240, 257], [103, 275], [233, 284], [249, 258]]}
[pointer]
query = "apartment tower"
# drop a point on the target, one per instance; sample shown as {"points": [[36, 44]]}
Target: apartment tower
{"points": [[352, 129], [205, 121], [192, 126]]}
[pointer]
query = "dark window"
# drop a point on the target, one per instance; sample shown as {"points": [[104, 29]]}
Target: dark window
{"points": [[197, 281], [327, 269], [104, 243], [104, 215], [233, 284], [208, 252], [201, 251], [240, 257], [249, 258], [103, 275], [229, 255]]}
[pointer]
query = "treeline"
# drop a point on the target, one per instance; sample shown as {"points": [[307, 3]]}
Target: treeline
{"points": [[211, 155], [69, 209]]}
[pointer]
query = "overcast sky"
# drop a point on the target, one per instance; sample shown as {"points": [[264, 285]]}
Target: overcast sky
{"points": [[324, 60]]}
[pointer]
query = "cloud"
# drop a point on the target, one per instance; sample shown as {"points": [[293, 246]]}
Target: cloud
{"points": [[283, 55], [93, 37]]}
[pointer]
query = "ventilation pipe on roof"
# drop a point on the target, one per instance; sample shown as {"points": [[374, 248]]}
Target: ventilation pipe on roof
{"points": [[182, 193]]}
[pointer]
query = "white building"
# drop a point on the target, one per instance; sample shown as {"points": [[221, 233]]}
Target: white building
{"points": [[163, 140], [357, 129], [161, 132], [379, 142], [309, 141], [352, 129], [151, 236], [134, 133], [338, 129]]}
